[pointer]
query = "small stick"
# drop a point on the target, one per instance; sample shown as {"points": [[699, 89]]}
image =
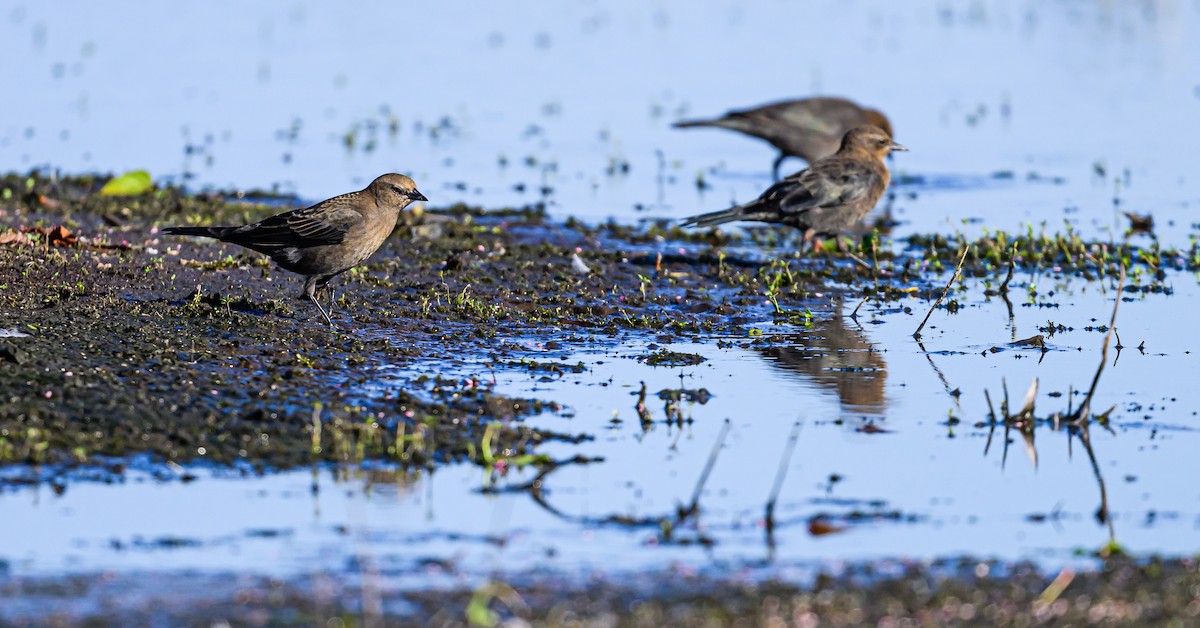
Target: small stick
{"points": [[854, 314], [1012, 264], [860, 260], [1085, 408], [957, 269]]}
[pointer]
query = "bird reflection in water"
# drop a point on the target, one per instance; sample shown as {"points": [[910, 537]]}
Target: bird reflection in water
{"points": [[836, 355]]}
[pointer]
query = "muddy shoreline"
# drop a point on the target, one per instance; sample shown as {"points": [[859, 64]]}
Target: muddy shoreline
{"points": [[194, 350], [124, 345], [1118, 592]]}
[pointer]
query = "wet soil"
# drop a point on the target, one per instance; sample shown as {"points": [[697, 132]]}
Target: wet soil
{"points": [[950, 592], [193, 350], [120, 343]]}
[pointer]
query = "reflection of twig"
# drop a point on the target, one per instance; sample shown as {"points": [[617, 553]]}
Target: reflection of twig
{"points": [[1085, 437], [992, 420], [1102, 514], [938, 372], [780, 474], [708, 467], [1012, 320], [664, 523], [917, 334], [1077, 422]]}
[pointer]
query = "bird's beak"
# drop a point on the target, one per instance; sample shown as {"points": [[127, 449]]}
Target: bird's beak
{"points": [[896, 146], [416, 196]]}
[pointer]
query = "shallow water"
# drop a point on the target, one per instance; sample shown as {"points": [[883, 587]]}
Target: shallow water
{"points": [[910, 485], [1089, 98], [566, 95]]}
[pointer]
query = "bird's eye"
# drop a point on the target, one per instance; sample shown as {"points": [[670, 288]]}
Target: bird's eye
{"points": [[397, 190], [883, 142]]}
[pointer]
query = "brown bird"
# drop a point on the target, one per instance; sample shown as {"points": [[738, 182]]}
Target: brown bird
{"points": [[327, 239], [834, 193], [808, 128]]}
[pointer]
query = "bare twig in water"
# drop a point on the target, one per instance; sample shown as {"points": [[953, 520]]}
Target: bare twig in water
{"points": [[957, 269], [1012, 265], [1085, 408], [1077, 422], [854, 314]]}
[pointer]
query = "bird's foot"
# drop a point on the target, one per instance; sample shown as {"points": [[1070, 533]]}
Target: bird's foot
{"points": [[323, 312]]}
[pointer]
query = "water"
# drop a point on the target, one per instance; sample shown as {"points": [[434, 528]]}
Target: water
{"points": [[567, 93], [1095, 100], [926, 486]]}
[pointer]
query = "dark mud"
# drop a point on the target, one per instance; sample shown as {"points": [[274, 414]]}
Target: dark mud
{"points": [[949, 592], [120, 346], [193, 350]]}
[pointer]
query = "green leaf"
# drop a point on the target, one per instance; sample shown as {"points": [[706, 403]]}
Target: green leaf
{"points": [[129, 184]]}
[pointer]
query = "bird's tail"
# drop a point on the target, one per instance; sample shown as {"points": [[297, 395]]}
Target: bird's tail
{"points": [[712, 219], [687, 124], [732, 121], [206, 232]]}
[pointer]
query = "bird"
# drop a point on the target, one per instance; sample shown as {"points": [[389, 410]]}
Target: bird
{"points": [[833, 193], [326, 239], [808, 128]]}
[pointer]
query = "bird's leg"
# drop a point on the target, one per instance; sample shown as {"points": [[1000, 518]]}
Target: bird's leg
{"points": [[321, 285], [310, 290], [775, 167], [807, 241]]}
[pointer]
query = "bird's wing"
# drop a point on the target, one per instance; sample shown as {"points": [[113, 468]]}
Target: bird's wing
{"points": [[829, 182], [826, 116], [323, 223]]}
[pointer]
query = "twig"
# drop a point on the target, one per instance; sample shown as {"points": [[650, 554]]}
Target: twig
{"points": [[1012, 264], [957, 269], [1085, 408], [854, 314], [859, 260], [1057, 586]]}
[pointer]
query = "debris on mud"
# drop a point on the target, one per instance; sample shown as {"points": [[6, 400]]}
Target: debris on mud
{"points": [[191, 350]]}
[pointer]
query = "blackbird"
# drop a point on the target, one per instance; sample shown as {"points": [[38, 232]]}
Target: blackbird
{"points": [[808, 128], [327, 239], [832, 194]]}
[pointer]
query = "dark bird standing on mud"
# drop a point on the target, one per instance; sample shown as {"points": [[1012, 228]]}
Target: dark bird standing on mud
{"points": [[327, 239], [834, 193], [808, 128]]}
